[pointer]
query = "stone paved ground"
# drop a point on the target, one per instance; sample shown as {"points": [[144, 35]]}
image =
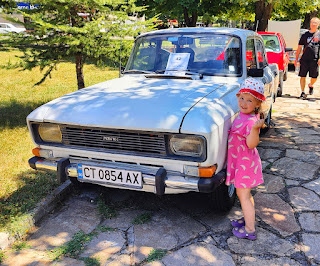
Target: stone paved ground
{"points": [[182, 230]]}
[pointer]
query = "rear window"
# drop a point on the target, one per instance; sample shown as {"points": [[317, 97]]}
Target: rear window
{"points": [[271, 43]]}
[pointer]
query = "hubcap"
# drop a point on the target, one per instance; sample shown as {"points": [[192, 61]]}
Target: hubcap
{"points": [[269, 118], [231, 190]]}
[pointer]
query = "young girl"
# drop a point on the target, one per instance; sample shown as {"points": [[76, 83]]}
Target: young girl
{"points": [[244, 165]]}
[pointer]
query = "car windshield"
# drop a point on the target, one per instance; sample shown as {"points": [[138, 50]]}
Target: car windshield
{"points": [[207, 54], [271, 42]]}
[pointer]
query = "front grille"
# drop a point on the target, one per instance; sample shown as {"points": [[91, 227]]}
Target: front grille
{"points": [[121, 140]]}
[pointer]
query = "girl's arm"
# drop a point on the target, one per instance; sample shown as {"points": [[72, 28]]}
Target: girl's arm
{"points": [[253, 138]]}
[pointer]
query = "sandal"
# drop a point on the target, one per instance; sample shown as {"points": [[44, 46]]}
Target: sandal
{"points": [[238, 223], [244, 234]]}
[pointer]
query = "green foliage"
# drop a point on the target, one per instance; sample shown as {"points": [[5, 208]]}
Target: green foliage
{"points": [[73, 248], [282, 9], [89, 31], [14, 210], [291, 10], [165, 10], [142, 218], [105, 210], [2, 256], [20, 245], [7, 4], [105, 229], [91, 261], [156, 254]]}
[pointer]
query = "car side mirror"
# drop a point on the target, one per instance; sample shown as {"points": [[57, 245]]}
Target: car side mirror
{"points": [[288, 49], [255, 72]]}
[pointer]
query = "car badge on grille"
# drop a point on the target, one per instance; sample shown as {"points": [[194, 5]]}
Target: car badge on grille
{"points": [[113, 139]]}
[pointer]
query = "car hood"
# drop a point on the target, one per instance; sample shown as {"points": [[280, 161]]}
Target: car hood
{"points": [[131, 102]]}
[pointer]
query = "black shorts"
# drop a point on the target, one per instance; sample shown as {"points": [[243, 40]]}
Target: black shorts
{"points": [[309, 66]]}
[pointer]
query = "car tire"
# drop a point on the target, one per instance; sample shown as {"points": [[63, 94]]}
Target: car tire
{"points": [[223, 197], [280, 88], [267, 122], [285, 75]]}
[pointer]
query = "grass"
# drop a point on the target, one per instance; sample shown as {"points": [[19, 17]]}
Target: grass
{"points": [[156, 254], [142, 218], [73, 248], [20, 245], [91, 261], [103, 228], [21, 188], [2, 256], [106, 211]]}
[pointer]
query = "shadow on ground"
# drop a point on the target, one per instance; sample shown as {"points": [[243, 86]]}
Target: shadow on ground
{"points": [[13, 113], [35, 186]]}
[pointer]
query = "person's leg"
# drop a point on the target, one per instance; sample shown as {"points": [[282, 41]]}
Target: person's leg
{"points": [[314, 71], [247, 205], [313, 81], [302, 83], [304, 69]]}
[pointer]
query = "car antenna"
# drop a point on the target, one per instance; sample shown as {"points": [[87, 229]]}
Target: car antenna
{"points": [[120, 60], [257, 25]]}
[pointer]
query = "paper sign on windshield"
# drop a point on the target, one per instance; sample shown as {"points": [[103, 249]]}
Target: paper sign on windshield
{"points": [[177, 63]]}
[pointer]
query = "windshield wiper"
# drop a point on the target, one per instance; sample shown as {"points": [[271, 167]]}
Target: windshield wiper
{"points": [[136, 71], [188, 72]]}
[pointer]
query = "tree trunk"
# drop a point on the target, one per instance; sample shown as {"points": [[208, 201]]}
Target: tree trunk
{"points": [[263, 11], [308, 17], [190, 22], [79, 70]]}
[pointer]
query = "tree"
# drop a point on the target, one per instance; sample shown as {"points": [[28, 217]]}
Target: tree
{"points": [[186, 10], [7, 4], [304, 10], [287, 9], [77, 30]]}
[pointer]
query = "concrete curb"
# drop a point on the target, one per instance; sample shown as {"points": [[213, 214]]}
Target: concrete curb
{"points": [[43, 208]]}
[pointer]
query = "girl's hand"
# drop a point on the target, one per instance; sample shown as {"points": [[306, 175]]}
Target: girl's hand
{"points": [[259, 124]]}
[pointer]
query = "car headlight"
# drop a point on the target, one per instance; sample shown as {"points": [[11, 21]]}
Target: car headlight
{"points": [[50, 133], [184, 145]]}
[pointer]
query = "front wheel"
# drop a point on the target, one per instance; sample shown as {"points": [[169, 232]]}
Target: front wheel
{"points": [[267, 122], [280, 88], [223, 197], [285, 75]]}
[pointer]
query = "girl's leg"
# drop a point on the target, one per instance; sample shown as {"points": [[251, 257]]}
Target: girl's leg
{"points": [[247, 205]]}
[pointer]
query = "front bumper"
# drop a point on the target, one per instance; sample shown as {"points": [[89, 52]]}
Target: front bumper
{"points": [[155, 179]]}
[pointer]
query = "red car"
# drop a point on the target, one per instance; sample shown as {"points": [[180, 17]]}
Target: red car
{"points": [[277, 52]]}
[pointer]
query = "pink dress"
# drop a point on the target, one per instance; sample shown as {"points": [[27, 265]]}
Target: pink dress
{"points": [[244, 165]]}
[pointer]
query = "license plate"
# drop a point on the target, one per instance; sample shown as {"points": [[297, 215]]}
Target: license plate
{"points": [[110, 175]]}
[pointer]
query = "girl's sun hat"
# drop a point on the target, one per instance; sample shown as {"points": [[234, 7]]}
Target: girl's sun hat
{"points": [[254, 87]]}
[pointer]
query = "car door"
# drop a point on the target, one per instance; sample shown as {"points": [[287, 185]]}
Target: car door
{"points": [[256, 59], [285, 54]]}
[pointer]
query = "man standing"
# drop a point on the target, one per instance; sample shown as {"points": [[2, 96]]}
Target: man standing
{"points": [[309, 61]]}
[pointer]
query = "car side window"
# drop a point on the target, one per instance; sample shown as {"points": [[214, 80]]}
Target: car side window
{"points": [[251, 61], [261, 55]]}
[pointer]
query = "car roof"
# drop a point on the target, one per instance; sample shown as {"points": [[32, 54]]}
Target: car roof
{"points": [[196, 30], [4, 23], [269, 33]]}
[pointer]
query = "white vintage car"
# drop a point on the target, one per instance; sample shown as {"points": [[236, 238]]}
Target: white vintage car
{"points": [[162, 127]]}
